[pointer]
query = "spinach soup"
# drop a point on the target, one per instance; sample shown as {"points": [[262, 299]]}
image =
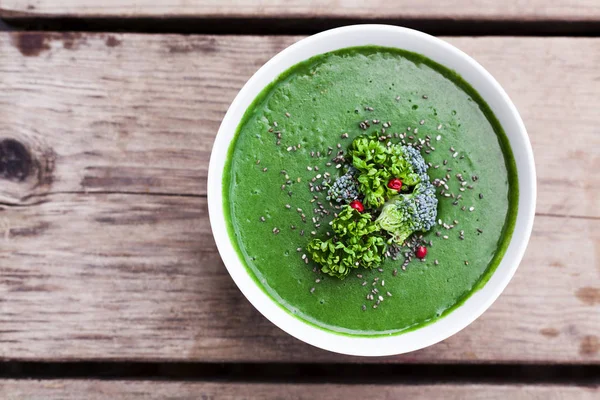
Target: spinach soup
{"points": [[370, 191]]}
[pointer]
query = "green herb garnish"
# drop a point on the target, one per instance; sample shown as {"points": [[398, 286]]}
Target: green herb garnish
{"points": [[356, 242], [376, 165]]}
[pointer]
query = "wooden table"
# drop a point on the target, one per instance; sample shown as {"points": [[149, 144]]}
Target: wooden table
{"points": [[106, 254]]}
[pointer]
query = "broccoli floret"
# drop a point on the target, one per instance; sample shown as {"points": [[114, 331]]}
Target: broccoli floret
{"points": [[344, 189], [397, 217], [405, 214], [416, 160], [426, 204]]}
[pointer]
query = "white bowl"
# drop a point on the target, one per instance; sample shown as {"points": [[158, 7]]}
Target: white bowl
{"points": [[493, 94]]}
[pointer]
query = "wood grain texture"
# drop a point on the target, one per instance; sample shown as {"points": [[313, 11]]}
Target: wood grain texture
{"points": [[561, 10], [106, 250], [93, 389], [138, 113]]}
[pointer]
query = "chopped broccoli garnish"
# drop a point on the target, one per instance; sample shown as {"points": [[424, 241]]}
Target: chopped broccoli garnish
{"points": [[411, 206]]}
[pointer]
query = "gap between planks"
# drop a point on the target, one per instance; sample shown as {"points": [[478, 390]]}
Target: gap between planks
{"points": [[96, 389]]}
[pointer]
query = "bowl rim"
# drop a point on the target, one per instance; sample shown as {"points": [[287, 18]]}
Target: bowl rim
{"points": [[503, 108]]}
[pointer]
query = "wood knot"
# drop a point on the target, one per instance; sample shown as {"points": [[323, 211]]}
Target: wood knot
{"points": [[15, 160], [26, 169]]}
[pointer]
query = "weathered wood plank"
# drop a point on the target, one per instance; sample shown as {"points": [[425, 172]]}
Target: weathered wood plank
{"points": [[94, 389], [563, 10], [106, 249], [138, 277], [138, 113]]}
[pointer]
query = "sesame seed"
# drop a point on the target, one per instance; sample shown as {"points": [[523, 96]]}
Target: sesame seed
{"points": [[439, 127], [480, 196], [445, 237], [421, 122], [455, 154], [317, 280], [479, 230], [275, 231], [309, 168], [262, 219], [364, 307], [466, 262], [312, 290], [436, 262], [471, 208], [264, 170], [275, 124], [438, 137], [287, 114], [425, 97], [389, 294], [380, 298]]}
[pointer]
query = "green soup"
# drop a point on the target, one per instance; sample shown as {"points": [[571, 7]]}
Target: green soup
{"points": [[294, 129]]}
